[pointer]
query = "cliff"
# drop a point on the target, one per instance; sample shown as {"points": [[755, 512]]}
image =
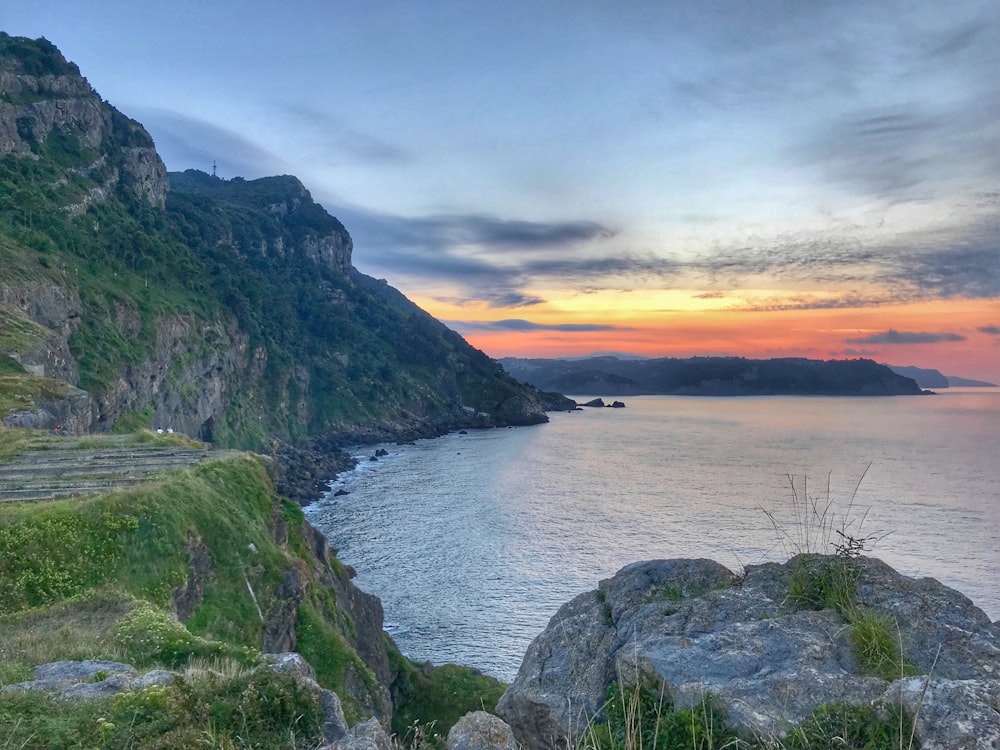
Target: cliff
{"points": [[712, 376], [198, 574], [226, 310]]}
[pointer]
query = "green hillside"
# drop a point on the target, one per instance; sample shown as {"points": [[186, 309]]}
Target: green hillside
{"points": [[199, 571], [227, 309], [224, 310]]}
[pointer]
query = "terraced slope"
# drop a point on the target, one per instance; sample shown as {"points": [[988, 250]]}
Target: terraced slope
{"points": [[68, 468]]}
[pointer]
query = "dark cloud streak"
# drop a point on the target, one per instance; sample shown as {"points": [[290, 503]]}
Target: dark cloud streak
{"points": [[906, 337], [523, 326]]}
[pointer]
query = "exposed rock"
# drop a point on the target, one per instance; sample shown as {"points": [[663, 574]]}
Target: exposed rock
{"points": [[368, 735], [617, 404], [185, 598], [334, 723], [111, 685], [303, 472], [696, 628], [519, 409], [61, 100], [154, 677], [87, 669], [556, 402], [952, 714], [186, 379], [364, 612], [279, 623], [68, 414], [565, 675], [290, 662], [597, 402], [90, 678], [54, 310], [481, 731]]}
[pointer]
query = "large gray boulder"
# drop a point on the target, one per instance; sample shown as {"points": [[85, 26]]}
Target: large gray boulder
{"points": [[479, 730], [699, 629], [368, 735], [88, 678]]}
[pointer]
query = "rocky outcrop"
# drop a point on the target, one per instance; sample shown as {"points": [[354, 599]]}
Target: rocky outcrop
{"points": [[332, 250], [67, 410], [45, 314], [43, 94], [92, 678], [368, 735], [279, 623], [334, 724], [699, 630], [364, 611], [481, 731], [186, 378], [191, 593]]}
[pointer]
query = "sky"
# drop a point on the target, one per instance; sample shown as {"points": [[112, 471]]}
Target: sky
{"points": [[556, 178]]}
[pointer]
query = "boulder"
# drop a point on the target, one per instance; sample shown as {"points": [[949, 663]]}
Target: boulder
{"points": [[951, 714], [597, 402], [152, 678], [89, 678], [479, 730], [368, 735], [334, 724], [698, 629]]}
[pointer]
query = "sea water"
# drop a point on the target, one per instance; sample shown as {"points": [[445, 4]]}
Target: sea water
{"points": [[473, 541]]}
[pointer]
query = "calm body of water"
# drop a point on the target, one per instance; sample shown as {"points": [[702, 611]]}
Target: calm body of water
{"points": [[473, 541]]}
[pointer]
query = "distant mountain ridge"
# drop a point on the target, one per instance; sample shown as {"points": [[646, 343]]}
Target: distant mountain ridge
{"points": [[711, 376]]}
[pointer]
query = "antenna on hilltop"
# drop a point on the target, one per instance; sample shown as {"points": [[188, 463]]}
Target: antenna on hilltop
{"points": [[214, 165]]}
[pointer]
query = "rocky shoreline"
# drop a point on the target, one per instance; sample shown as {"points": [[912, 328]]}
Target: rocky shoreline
{"points": [[303, 471]]}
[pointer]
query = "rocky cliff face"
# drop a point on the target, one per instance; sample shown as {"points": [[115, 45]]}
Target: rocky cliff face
{"points": [[225, 309], [42, 96], [49, 313], [697, 629]]}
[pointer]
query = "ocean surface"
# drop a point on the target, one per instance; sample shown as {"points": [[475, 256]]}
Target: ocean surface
{"points": [[473, 541]]}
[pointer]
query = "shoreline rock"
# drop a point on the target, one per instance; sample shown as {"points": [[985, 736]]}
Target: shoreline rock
{"points": [[698, 629]]}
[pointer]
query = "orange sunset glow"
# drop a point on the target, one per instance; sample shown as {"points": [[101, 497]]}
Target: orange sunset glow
{"points": [[705, 330], [558, 179]]}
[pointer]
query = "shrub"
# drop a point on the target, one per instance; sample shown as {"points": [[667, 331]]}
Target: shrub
{"points": [[643, 716], [838, 725]]}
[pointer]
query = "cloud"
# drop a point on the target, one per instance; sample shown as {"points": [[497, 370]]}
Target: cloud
{"points": [[906, 337], [335, 140], [494, 260], [523, 326], [185, 142], [957, 259], [990, 329], [849, 352]]}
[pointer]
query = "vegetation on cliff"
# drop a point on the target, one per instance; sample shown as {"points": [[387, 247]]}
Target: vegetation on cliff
{"points": [[198, 570], [227, 309]]}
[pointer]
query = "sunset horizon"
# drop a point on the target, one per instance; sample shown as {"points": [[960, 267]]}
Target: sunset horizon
{"points": [[666, 179]]}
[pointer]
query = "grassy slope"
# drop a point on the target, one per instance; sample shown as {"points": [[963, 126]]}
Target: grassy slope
{"points": [[92, 578], [130, 546]]}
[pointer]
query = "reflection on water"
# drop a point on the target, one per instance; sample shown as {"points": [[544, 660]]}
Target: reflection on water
{"points": [[473, 541]]}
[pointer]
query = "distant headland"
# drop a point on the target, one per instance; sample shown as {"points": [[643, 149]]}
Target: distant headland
{"points": [[712, 376]]}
